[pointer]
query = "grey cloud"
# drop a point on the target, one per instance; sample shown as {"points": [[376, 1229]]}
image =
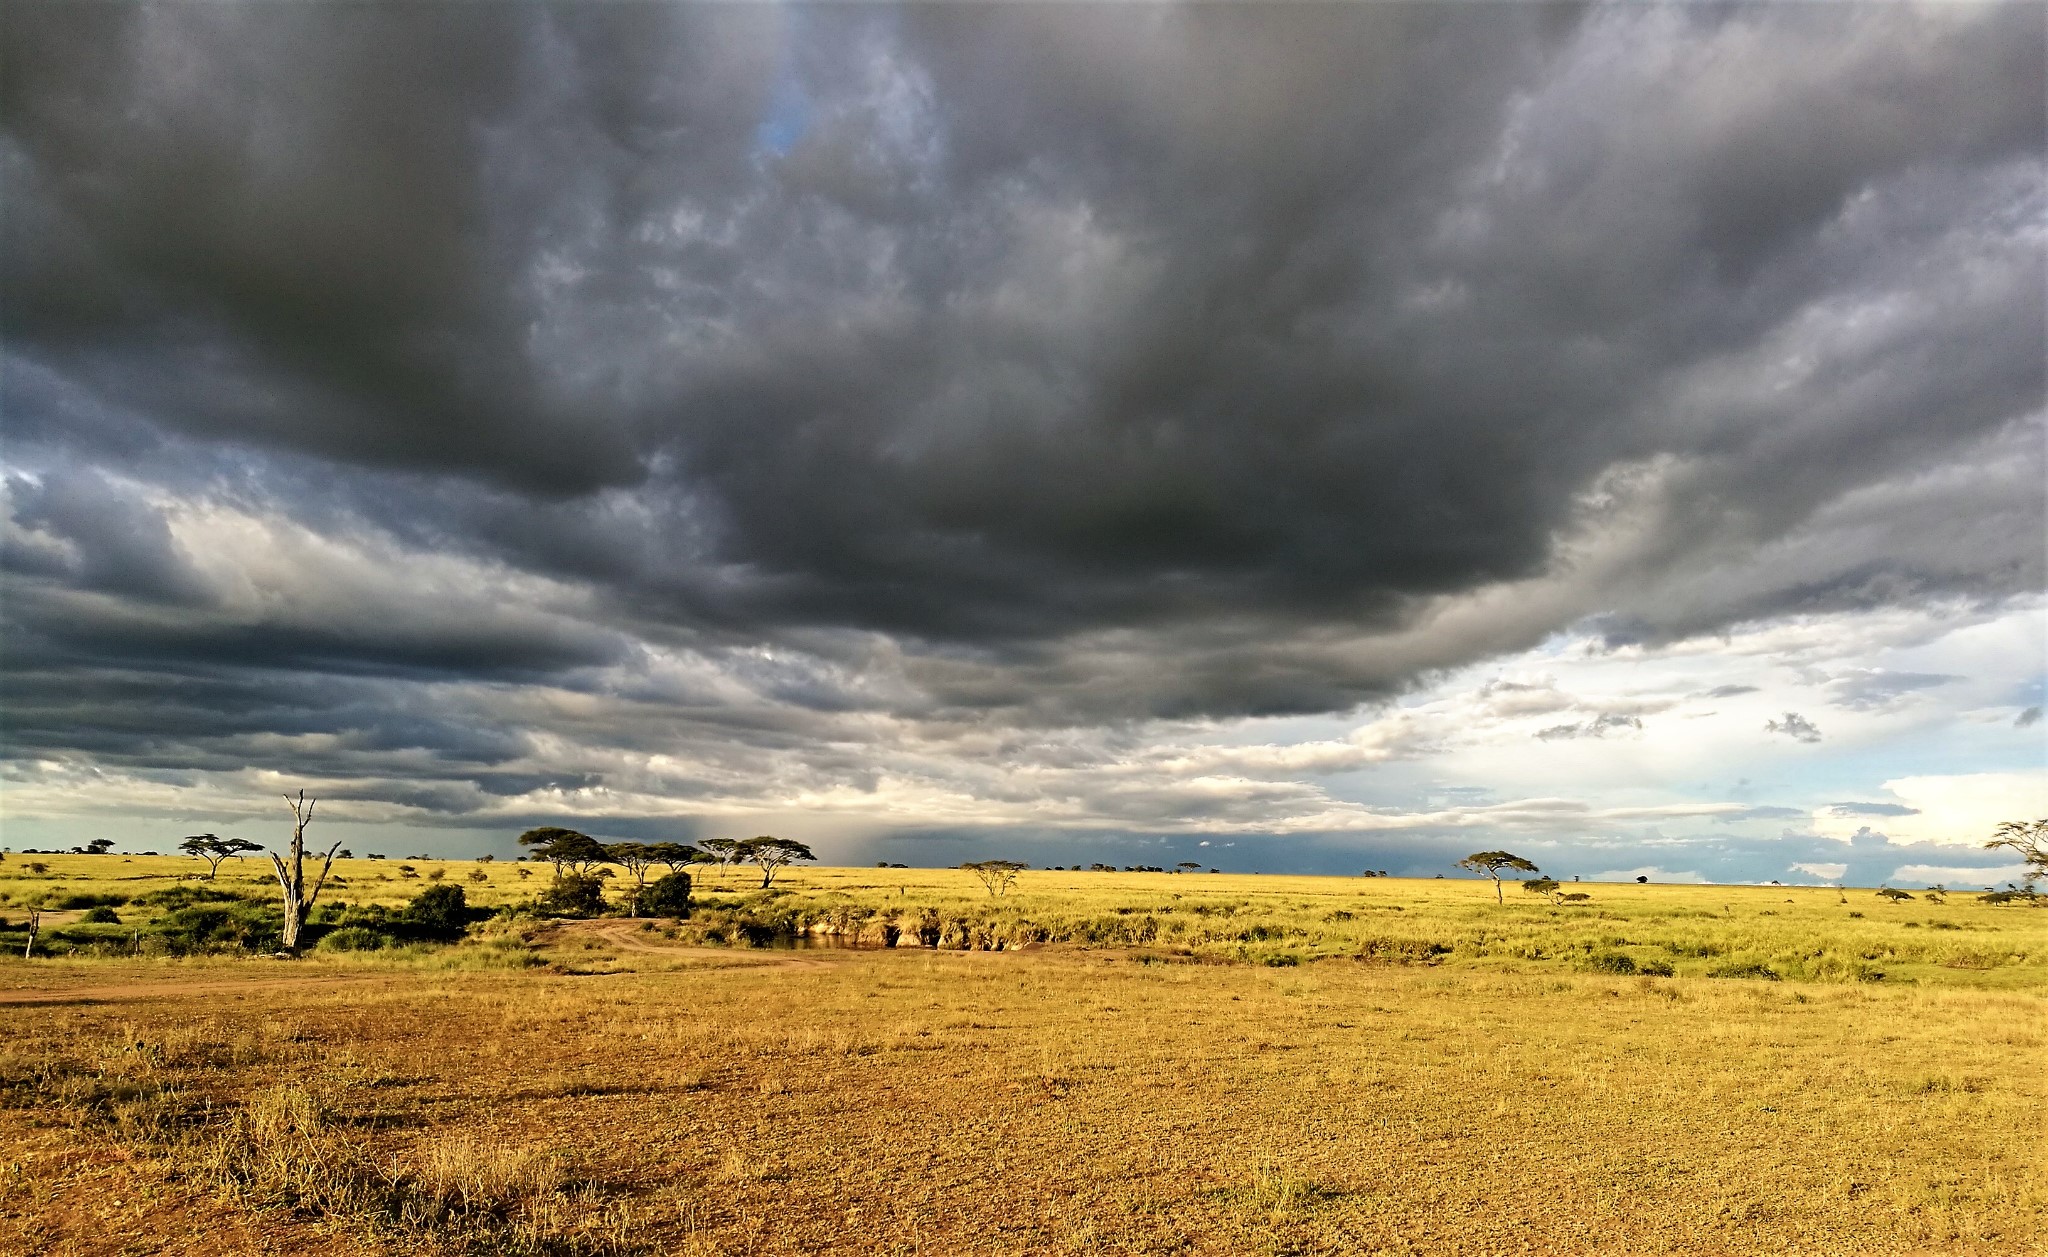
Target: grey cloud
{"points": [[1876, 689], [1794, 726], [1598, 727], [1872, 809], [2028, 718], [1051, 366], [1730, 691]]}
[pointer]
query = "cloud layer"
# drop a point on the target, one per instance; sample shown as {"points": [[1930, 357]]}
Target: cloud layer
{"points": [[905, 412]]}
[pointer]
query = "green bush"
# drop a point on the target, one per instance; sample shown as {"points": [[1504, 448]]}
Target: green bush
{"points": [[668, 896], [100, 916], [1744, 969], [186, 896], [573, 895], [241, 926], [1610, 962], [439, 912], [67, 903], [353, 938]]}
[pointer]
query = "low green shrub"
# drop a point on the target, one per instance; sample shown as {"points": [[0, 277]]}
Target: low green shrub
{"points": [[1744, 969], [353, 938]]}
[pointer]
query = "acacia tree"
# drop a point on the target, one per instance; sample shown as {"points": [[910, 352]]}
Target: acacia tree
{"points": [[723, 852], [772, 855], [1493, 863], [998, 875], [2029, 839], [565, 849], [1545, 886], [291, 874], [674, 855], [213, 850], [636, 858]]}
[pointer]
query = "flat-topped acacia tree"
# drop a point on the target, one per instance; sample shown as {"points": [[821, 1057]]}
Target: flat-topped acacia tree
{"points": [[1493, 863], [998, 875], [213, 850], [291, 874], [772, 854], [2029, 839], [565, 849]]}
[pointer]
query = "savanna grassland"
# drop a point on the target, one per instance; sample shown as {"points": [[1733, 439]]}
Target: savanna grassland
{"points": [[1095, 1062]]}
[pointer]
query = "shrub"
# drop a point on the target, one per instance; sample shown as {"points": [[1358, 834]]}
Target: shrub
{"points": [[668, 896], [66, 903], [1610, 962], [440, 911], [101, 915], [1744, 969], [239, 926], [353, 938], [186, 896], [573, 895]]}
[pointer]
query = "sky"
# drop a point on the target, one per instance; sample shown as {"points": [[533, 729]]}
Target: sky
{"points": [[1289, 438]]}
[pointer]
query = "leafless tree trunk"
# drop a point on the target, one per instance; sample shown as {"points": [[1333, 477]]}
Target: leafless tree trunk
{"points": [[35, 926], [291, 876]]}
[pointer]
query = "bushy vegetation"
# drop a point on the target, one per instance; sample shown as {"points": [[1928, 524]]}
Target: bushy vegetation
{"points": [[1799, 934]]}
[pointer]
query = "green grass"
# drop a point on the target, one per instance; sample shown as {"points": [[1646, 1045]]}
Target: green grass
{"points": [[1734, 932]]}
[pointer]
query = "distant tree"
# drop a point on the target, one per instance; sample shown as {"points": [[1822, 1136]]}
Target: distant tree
{"points": [[291, 872], [407, 870], [1493, 863], [723, 852], [478, 875], [1643, 880], [2029, 839], [1894, 896], [674, 855], [213, 850], [772, 855], [98, 846], [485, 858], [1544, 886], [568, 850], [1188, 866], [997, 875], [525, 873], [345, 854], [39, 868]]}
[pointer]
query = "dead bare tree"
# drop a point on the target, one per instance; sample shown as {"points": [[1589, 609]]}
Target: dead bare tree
{"points": [[35, 927], [291, 876]]}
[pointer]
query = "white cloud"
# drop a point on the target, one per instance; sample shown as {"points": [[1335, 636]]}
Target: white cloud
{"points": [[1960, 809], [1825, 872], [1959, 875]]}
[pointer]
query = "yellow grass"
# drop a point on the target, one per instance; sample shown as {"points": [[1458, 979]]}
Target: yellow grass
{"points": [[1064, 1099]]}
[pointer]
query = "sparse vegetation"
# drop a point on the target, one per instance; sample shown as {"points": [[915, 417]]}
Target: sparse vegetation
{"points": [[678, 1108]]}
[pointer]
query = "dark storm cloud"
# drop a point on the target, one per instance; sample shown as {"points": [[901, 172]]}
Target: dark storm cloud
{"points": [[2028, 718], [1072, 363]]}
